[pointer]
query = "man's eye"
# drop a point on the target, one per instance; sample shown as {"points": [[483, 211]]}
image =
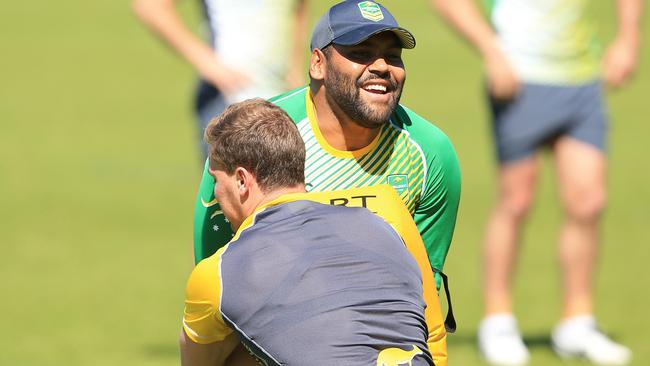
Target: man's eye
{"points": [[361, 54], [393, 59]]}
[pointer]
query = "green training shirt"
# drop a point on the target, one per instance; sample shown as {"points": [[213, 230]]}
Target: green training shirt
{"points": [[410, 154]]}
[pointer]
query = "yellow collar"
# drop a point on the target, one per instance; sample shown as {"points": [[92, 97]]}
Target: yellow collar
{"points": [[248, 222]]}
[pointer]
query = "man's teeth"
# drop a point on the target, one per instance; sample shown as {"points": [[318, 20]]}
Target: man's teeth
{"points": [[380, 88]]}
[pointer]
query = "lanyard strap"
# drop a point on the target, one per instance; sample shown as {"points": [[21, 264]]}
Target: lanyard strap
{"points": [[450, 321]]}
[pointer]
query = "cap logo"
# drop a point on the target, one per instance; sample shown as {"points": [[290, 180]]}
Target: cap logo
{"points": [[371, 11]]}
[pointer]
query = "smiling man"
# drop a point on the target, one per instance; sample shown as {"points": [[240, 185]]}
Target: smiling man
{"points": [[357, 134]]}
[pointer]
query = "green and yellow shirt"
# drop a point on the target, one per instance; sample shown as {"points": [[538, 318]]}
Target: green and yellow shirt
{"points": [[410, 154]]}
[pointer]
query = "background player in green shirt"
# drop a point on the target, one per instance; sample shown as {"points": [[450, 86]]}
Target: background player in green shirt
{"points": [[355, 132]]}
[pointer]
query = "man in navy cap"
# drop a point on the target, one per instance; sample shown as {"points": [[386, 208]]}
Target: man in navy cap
{"points": [[357, 134]]}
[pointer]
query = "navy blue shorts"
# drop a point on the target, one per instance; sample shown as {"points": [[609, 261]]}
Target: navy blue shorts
{"points": [[542, 113], [210, 103]]}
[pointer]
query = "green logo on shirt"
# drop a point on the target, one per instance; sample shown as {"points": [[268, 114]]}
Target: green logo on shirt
{"points": [[398, 181], [370, 11]]}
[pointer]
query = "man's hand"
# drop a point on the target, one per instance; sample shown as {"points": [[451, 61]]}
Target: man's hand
{"points": [[620, 61], [466, 18], [621, 56], [162, 17], [227, 79], [503, 83]]}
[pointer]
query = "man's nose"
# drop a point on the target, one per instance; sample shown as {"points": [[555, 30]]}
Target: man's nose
{"points": [[378, 66]]}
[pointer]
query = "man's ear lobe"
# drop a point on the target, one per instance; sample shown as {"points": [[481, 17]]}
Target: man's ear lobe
{"points": [[317, 65]]}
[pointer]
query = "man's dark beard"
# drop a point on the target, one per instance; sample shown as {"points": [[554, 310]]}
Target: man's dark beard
{"points": [[345, 93]]}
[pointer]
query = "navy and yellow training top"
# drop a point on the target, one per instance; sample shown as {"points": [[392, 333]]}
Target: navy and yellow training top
{"points": [[306, 283]]}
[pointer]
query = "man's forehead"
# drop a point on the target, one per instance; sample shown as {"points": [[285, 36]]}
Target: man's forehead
{"points": [[385, 39]]}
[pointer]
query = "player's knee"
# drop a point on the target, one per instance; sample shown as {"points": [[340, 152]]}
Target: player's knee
{"points": [[517, 204], [586, 206]]}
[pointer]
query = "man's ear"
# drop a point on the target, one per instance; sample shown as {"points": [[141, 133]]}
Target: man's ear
{"points": [[211, 171], [243, 179], [317, 65]]}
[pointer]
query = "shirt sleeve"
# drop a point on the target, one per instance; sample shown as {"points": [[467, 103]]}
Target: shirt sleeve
{"points": [[202, 320], [437, 206], [435, 215]]}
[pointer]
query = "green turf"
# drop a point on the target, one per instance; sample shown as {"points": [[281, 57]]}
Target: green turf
{"points": [[98, 171]]}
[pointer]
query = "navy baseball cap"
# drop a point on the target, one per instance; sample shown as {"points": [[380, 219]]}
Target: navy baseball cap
{"points": [[352, 22]]}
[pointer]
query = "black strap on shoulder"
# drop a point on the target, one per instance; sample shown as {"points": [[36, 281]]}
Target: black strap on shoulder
{"points": [[450, 321]]}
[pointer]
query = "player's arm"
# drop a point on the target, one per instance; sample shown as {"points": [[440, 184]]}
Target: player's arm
{"points": [[162, 17], [435, 215], [465, 17], [213, 354], [296, 74], [205, 339], [621, 57]]}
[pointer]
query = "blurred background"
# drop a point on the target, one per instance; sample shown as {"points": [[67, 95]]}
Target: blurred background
{"points": [[99, 169]]}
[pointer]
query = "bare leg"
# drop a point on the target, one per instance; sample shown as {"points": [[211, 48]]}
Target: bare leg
{"points": [[516, 190], [581, 178]]}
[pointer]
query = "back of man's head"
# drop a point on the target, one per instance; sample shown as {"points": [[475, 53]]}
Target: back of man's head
{"points": [[261, 137]]}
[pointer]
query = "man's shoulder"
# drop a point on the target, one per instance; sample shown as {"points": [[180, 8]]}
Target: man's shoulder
{"points": [[336, 205], [416, 125], [293, 102], [428, 136], [339, 206]]}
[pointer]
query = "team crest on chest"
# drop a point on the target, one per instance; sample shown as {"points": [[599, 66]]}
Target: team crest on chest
{"points": [[398, 181], [371, 11]]}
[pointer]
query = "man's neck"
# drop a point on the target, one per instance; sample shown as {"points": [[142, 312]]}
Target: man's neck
{"points": [[276, 193], [338, 129], [257, 198]]}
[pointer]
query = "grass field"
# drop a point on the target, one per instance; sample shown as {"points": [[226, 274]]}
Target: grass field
{"points": [[98, 172]]}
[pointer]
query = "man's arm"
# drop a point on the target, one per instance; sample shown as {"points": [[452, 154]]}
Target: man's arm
{"points": [[205, 338], [211, 354], [296, 74], [466, 19], [621, 56], [163, 19]]}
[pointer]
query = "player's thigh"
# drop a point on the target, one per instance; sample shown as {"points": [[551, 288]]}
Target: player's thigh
{"points": [[581, 169], [580, 153], [517, 181]]}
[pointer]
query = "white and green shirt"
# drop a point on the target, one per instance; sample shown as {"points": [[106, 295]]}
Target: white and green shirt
{"points": [[548, 41], [253, 36]]}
